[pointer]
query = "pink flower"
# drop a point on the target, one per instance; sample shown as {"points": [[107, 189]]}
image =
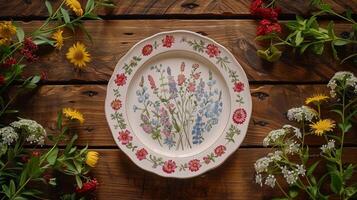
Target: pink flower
{"points": [[147, 128], [120, 79], [125, 137], [194, 165], [239, 116], [181, 79], [88, 186], [182, 67], [169, 166], [191, 87], [116, 104], [195, 66], [197, 75], [168, 40], [207, 159], [141, 154], [212, 50], [238, 86], [147, 49], [220, 150], [152, 82], [267, 27]]}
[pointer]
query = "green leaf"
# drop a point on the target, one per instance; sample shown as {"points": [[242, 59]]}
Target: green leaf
{"points": [[89, 6], [340, 42], [20, 34], [49, 7], [20, 198], [298, 39], [330, 30], [66, 17], [348, 172], [70, 144], [52, 157], [312, 168], [336, 183], [318, 48], [334, 51], [79, 181], [59, 120], [12, 187], [293, 192], [350, 191]]}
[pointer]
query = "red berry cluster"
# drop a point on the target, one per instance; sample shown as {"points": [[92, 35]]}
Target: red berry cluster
{"points": [[269, 22], [88, 186], [29, 50]]}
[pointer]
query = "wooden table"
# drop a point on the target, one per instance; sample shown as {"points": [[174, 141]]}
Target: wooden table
{"points": [[274, 87]]}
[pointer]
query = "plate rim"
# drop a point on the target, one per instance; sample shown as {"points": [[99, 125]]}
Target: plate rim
{"points": [[248, 106]]}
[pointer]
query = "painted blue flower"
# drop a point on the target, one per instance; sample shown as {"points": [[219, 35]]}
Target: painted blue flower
{"points": [[197, 131], [169, 142]]}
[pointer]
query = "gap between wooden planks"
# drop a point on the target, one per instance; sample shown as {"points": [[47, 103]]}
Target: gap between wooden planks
{"points": [[270, 104]]}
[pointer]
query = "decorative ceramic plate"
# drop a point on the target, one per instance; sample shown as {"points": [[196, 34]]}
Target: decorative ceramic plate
{"points": [[178, 104]]}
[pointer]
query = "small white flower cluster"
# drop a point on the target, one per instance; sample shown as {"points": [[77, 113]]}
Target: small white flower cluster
{"points": [[292, 175], [276, 156], [8, 135], [274, 135], [303, 113], [328, 147], [262, 164], [292, 148], [35, 132], [269, 181], [349, 77]]}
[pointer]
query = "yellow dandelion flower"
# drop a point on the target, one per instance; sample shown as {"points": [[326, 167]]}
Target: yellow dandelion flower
{"points": [[4, 41], [75, 6], [73, 114], [317, 98], [58, 37], [322, 126], [78, 55], [92, 158], [7, 30]]}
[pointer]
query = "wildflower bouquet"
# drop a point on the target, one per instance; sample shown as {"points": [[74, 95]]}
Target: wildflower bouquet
{"points": [[292, 162], [302, 34], [24, 170]]}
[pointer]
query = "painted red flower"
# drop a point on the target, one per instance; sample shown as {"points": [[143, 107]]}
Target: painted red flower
{"points": [[212, 50], [88, 186], [2, 79], [9, 63], [267, 27], [206, 159], [194, 165], [168, 40], [220, 150], [169, 166], [181, 79], [125, 137], [141, 154], [195, 66], [191, 87], [116, 104], [147, 49], [120, 79], [238, 86], [197, 75], [239, 116], [152, 82]]}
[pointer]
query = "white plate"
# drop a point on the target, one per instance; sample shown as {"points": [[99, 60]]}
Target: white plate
{"points": [[178, 104]]}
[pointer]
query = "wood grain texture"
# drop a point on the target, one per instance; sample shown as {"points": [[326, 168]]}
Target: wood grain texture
{"points": [[270, 104], [180, 8], [112, 39], [120, 179]]}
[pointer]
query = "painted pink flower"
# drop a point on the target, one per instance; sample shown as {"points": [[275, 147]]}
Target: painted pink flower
{"points": [[191, 87], [196, 75], [181, 79], [116, 104], [152, 82], [182, 67], [168, 40], [206, 159], [147, 128], [195, 66], [141, 154], [220, 150], [169, 166], [120, 79], [212, 50], [147, 49], [239, 116], [125, 137], [194, 165], [238, 86]]}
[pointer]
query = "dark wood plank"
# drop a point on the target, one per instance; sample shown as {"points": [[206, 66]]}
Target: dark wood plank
{"points": [[270, 103], [120, 179], [186, 8], [112, 39]]}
